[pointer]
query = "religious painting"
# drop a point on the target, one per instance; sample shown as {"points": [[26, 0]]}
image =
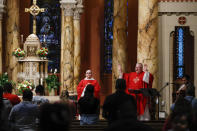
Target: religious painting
{"points": [[31, 51]]}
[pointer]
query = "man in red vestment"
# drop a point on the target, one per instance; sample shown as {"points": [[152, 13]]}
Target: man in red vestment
{"points": [[88, 80], [135, 81]]}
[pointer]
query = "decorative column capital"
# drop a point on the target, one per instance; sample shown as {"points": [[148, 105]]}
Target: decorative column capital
{"points": [[2, 8], [68, 7], [78, 11]]}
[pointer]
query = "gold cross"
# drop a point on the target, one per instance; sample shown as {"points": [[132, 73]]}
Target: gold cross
{"points": [[34, 10], [135, 80]]}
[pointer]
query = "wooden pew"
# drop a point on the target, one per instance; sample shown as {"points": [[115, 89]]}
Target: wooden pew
{"points": [[102, 124]]}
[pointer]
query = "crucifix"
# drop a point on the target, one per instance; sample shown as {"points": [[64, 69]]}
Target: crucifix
{"points": [[34, 10]]}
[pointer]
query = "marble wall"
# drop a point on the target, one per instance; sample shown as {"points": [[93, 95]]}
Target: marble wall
{"points": [[12, 37], [147, 46], [67, 54], [119, 39]]}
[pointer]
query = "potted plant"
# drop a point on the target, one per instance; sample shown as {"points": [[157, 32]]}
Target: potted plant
{"points": [[52, 82], [42, 52], [19, 53]]}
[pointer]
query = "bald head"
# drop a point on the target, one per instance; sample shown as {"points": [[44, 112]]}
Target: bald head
{"points": [[138, 68]]}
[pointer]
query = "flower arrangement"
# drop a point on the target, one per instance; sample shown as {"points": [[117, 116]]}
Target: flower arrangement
{"points": [[25, 85], [18, 52], [42, 52]]}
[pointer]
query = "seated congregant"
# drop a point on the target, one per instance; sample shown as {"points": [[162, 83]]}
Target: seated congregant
{"points": [[88, 107], [119, 105], [14, 99], [5, 107], [180, 118], [25, 114], [54, 117], [39, 98], [64, 99], [121, 111]]}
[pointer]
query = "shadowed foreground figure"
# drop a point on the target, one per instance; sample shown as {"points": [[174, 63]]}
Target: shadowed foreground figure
{"points": [[55, 117], [5, 107], [64, 99], [119, 105], [88, 107], [121, 111]]}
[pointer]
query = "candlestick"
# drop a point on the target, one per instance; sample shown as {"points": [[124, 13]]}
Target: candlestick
{"points": [[21, 39], [44, 39]]}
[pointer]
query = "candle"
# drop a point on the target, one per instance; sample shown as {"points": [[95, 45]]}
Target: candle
{"points": [[44, 39], [41, 81], [22, 39]]}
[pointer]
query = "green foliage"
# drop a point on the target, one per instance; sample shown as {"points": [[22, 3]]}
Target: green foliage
{"points": [[52, 82], [4, 79]]}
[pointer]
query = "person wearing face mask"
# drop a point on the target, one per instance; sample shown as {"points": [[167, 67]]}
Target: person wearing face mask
{"points": [[88, 80], [135, 81]]}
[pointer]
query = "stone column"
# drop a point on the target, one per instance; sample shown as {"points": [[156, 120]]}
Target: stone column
{"points": [[12, 37], [67, 46], [1, 18], [148, 36], [77, 47], [119, 39]]}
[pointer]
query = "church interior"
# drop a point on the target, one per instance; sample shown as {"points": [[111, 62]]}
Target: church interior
{"points": [[99, 35]]}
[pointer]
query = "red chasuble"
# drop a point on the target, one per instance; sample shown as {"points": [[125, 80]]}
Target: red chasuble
{"points": [[135, 81], [83, 84]]}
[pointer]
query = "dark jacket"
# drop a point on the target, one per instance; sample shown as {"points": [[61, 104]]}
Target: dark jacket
{"points": [[88, 105], [119, 105]]}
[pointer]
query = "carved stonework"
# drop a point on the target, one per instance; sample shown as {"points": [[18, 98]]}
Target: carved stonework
{"points": [[2, 8], [32, 68], [68, 7], [31, 45], [1, 16], [78, 10]]}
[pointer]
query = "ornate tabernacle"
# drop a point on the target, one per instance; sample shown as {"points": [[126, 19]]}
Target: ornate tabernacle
{"points": [[31, 67]]}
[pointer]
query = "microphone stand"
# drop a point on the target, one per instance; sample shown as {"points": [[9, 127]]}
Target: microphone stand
{"points": [[158, 98]]}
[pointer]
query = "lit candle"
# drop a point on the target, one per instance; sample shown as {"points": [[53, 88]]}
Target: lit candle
{"points": [[41, 81], [44, 39], [22, 39], [55, 71]]}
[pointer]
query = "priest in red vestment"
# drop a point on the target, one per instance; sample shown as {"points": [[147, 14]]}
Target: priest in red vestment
{"points": [[88, 80], [135, 81]]}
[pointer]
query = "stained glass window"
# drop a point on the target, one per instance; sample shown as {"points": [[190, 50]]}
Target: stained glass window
{"points": [[179, 52], [49, 30], [108, 36]]}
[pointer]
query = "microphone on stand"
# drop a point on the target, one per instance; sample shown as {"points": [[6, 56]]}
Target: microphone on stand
{"points": [[167, 83]]}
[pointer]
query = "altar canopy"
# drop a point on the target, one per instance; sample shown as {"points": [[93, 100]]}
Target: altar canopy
{"points": [[32, 67]]}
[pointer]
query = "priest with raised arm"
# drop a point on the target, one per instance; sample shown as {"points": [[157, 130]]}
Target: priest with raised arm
{"points": [[88, 80], [135, 81]]}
